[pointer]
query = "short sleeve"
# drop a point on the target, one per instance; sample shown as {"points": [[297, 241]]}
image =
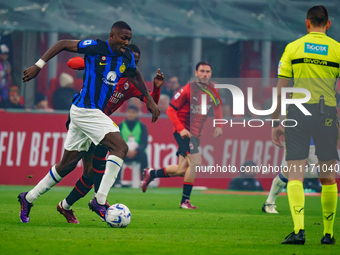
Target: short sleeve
{"points": [[88, 47], [285, 69]]}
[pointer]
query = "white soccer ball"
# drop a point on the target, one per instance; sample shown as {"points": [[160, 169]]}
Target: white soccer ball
{"points": [[118, 216]]}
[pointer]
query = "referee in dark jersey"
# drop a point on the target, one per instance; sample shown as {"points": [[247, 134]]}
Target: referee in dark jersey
{"points": [[313, 62]]}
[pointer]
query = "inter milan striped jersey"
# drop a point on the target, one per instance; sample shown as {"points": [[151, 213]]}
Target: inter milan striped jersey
{"points": [[103, 69]]}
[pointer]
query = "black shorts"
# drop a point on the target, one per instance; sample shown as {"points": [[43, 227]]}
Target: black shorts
{"points": [[324, 129], [186, 145]]}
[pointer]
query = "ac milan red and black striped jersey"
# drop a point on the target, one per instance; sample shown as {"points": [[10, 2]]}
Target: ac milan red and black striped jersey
{"points": [[187, 105]]}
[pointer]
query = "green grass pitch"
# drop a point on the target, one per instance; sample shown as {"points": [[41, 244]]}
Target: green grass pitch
{"points": [[224, 224]]}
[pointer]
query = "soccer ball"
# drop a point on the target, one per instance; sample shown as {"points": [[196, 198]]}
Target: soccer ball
{"points": [[118, 216]]}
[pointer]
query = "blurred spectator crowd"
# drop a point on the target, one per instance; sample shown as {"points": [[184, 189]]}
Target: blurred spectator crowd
{"points": [[61, 90]]}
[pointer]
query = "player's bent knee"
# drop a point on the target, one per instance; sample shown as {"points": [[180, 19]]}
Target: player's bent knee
{"points": [[181, 171], [327, 181], [114, 142]]}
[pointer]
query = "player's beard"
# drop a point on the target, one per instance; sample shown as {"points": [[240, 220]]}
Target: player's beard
{"points": [[204, 81]]}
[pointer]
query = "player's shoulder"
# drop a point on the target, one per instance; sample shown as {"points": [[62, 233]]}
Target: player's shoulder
{"points": [[333, 42], [292, 45], [128, 54], [186, 88], [89, 42], [182, 92], [212, 86]]}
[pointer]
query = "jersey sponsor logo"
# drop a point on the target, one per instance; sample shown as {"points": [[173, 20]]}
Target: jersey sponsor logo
{"points": [[116, 97], [315, 61], [177, 95], [110, 78], [196, 109], [122, 68], [320, 49]]}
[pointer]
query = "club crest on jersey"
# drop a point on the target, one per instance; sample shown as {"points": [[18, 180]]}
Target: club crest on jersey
{"points": [[126, 85], [103, 58], [110, 78], [122, 68]]}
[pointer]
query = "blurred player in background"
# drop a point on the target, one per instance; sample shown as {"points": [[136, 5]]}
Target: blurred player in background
{"points": [[313, 62], [5, 72], [105, 63], [95, 168], [280, 181], [185, 114]]}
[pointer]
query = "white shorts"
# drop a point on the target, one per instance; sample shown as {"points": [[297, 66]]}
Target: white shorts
{"points": [[87, 126]]}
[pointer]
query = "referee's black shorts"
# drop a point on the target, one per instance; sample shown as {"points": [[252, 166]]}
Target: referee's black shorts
{"points": [[324, 129], [187, 145]]}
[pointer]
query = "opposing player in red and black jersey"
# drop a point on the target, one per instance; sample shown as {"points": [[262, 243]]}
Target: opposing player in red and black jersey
{"points": [[95, 168], [185, 114]]}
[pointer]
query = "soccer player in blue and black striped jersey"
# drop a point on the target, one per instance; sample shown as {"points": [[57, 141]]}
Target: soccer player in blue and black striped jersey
{"points": [[105, 63]]}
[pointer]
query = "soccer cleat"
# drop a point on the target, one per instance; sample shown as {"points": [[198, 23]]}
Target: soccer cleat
{"points": [[327, 239], [269, 208], [97, 208], [68, 214], [293, 238], [107, 205], [187, 205], [147, 179], [25, 208]]}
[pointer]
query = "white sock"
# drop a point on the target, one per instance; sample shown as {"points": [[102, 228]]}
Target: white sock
{"points": [[65, 205], [275, 189], [113, 165], [51, 179]]}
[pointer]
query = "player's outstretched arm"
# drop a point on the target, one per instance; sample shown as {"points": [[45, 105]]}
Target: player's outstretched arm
{"points": [[138, 81], [33, 71]]}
